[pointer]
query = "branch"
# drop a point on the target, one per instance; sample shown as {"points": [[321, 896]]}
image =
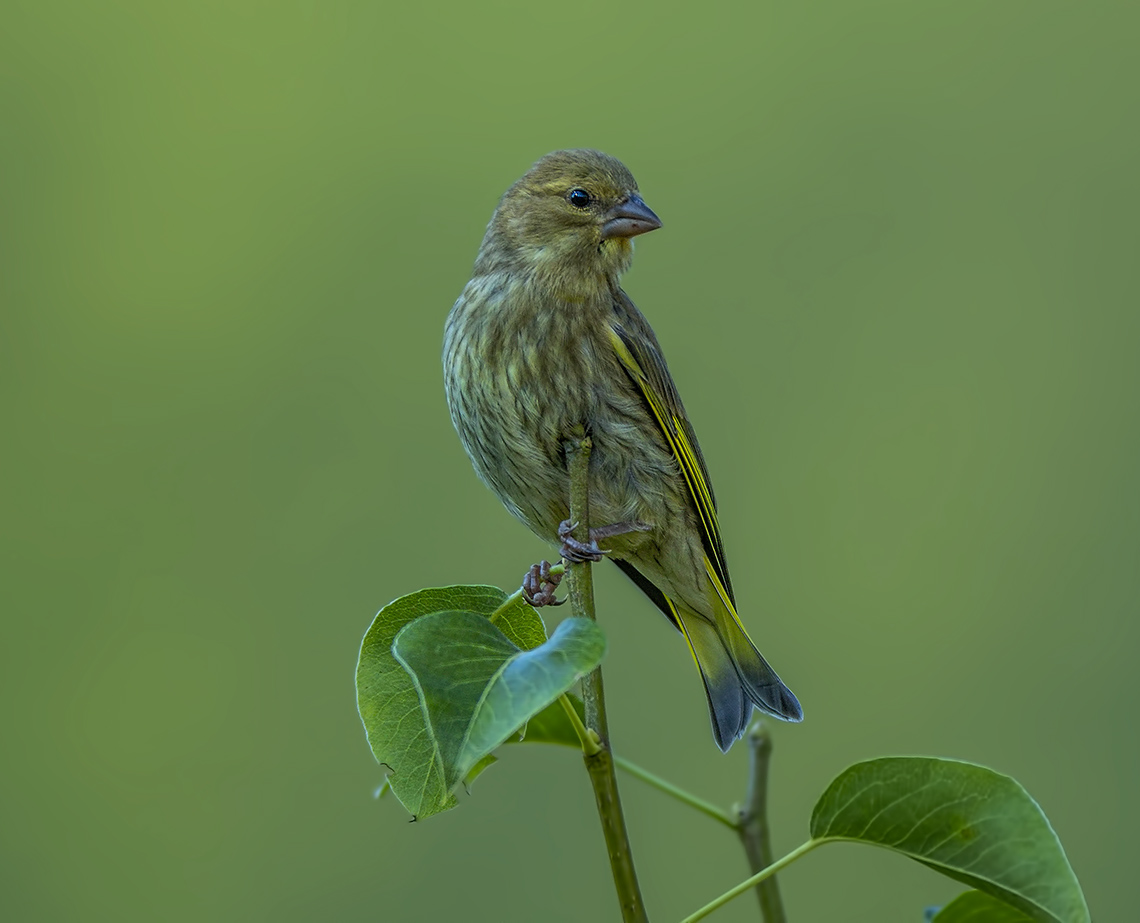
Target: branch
{"points": [[760, 876], [600, 764], [674, 791], [752, 824]]}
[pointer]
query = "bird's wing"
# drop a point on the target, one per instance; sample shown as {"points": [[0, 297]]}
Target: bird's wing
{"points": [[640, 355]]}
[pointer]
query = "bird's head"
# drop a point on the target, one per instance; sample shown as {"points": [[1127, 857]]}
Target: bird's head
{"points": [[572, 214]]}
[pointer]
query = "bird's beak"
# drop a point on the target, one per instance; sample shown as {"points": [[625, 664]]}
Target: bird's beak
{"points": [[628, 218]]}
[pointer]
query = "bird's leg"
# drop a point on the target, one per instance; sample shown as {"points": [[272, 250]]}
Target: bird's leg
{"points": [[575, 552], [539, 585]]}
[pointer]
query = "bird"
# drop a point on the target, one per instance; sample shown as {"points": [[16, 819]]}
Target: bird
{"points": [[543, 342]]}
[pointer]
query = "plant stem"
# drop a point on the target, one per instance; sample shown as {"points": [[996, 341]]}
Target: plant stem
{"points": [[581, 576], [589, 745], [753, 823], [599, 765], [705, 807], [754, 880]]}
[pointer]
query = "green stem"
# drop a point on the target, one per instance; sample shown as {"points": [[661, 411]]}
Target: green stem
{"points": [[588, 740], [705, 807], [748, 883], [753, 824], [581, 576], [599, 765]]}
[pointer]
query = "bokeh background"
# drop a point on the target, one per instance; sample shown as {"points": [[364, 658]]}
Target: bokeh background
{"points": [[897, 285]]}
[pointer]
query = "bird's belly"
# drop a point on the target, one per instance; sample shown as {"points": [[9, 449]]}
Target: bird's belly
{"points": [[517, 413]]}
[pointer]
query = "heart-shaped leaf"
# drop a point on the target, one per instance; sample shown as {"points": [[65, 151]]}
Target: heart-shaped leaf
{"points": [[476, 687], [963, 820], [386, 697]]}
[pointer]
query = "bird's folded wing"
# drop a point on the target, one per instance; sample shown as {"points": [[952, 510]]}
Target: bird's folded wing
{"points": [[642, 360]]}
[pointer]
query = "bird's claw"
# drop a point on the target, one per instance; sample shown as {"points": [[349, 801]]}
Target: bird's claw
{"points": [[539, 585], [574, 551]]}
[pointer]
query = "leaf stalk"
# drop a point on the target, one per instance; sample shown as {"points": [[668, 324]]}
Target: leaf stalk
{"points": [[673, 791], [754, 880]]}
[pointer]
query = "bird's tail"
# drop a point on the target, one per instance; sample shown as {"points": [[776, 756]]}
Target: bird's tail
{"points": [[735, 674]]}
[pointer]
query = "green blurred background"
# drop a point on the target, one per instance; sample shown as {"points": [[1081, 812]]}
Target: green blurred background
{"points": [[897, 285]]}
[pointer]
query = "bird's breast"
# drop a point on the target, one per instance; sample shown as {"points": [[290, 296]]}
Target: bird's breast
{"points": [[523, 369]]}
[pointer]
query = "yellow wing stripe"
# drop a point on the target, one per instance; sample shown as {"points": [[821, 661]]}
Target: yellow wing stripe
{"points": [[677, 620], [723, 594], [696, 482], [692, 464], [686, 458]]}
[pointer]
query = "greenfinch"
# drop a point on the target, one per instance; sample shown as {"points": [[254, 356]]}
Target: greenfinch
{"points": [[544, 341]]}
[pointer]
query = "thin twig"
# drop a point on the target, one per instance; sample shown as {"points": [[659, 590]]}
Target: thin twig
{"points": [[589, 745], [753, 823], [581, 576], [760, 876], [705, 807], [600, 765]]}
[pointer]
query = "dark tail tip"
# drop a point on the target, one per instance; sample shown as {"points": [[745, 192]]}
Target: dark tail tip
{"points": [[730, 708], [780, 702]]}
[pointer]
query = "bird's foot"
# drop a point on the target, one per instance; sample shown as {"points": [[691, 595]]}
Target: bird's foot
{"points": [[576, 552], [539, 585]]}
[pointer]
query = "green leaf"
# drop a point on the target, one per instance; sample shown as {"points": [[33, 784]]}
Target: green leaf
{"points": [[520, 622], [386, 697], [979, 907], [477, 688], [552, 725], [965, 821], [477, 770]]}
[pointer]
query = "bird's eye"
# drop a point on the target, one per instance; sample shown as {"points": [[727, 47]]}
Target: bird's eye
{"points": [[579, 198]]}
